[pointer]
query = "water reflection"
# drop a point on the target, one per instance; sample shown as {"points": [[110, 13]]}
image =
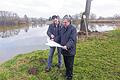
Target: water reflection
{"points": [[5, 34], [21, 39], [9, 31], [100, 27]]}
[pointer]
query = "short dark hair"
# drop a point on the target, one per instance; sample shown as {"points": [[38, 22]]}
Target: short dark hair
{"points": [[54, 16]]}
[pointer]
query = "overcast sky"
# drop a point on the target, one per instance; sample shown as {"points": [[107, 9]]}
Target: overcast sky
{"points": [[46, 8]]}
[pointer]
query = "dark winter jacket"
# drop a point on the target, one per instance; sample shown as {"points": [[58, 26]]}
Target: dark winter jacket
{"points": [[55, 30], [68, 38]]}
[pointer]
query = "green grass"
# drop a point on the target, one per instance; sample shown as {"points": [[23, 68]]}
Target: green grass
{"points": [[97, 58]]}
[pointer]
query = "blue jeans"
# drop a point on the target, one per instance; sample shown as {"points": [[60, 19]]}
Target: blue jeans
{"points": [[51, 53]]}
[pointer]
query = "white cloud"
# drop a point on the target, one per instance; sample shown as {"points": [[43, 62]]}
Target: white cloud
{"points": [[46, 8], [105, 7]]}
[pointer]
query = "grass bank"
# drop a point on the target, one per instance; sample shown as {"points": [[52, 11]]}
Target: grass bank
{"points": [[97, 58]]}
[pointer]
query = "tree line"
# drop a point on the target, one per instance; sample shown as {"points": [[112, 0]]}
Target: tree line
{"points": [[8, 18]]}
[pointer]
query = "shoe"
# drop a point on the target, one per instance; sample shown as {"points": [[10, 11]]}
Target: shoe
{"points": [[68, 78], [47, 69]]}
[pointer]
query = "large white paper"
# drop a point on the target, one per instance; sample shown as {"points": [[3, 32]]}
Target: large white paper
{"points": [[53, 43]]}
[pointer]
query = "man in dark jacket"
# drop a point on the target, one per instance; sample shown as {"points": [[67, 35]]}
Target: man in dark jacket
{"points": [[54, 34], [68, 41]]}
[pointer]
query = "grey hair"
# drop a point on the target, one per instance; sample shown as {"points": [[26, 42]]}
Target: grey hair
{"points": [[68, 17]]}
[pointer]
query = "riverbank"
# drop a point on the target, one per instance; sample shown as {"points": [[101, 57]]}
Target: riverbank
{"points": [[97, 58]]}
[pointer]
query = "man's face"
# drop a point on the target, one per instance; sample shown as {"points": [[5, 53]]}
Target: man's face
{"points": [[66, 22], [55, 21]]}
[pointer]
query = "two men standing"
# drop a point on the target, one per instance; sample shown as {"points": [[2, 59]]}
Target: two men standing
{"points": [[67, 38]]}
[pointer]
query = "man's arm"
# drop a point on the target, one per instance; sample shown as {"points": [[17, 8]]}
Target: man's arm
{"points": [[49, 32]]}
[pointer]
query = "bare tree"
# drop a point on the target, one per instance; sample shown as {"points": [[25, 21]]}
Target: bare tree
{"points": [[8, 18], [116, 16], [92, 16], [85, 13]]}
